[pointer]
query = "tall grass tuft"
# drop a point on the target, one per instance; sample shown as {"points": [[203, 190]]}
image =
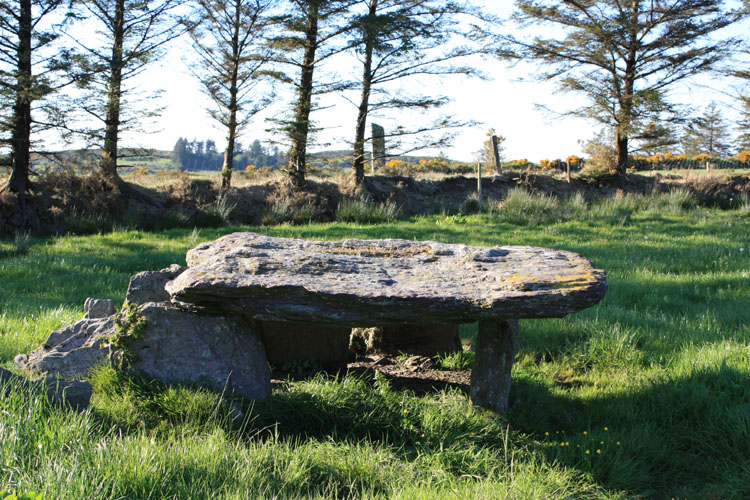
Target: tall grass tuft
{"points": [[524, 208], [473, 204], [743, 205], [282, 210], [217, 214], [19, 246], [364, 211]]}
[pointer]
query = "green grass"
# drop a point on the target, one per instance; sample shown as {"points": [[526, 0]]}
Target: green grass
{"points": [[663, 363]]}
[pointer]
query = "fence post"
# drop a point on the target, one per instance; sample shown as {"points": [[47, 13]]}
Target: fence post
{"points": [[479, 180]]}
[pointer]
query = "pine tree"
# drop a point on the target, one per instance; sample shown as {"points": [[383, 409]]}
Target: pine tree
{"points": [[623, 56], [231, 55], [132, 34], [743, 126], [28, 74], [311, 33], [398, 40], [708, 134]]}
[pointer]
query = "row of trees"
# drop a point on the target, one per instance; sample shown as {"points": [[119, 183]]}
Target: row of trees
{"points": [[202, 155], [623, 56], [244, 49]]}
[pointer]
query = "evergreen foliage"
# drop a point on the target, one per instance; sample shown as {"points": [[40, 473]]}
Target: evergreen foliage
{"points": [[231, 49], [131, 35], [622, 56], [398, 40]]}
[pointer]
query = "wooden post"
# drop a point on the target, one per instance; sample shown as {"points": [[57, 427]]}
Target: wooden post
{"points": [[496, 154], [567, 169], [479, 180]]}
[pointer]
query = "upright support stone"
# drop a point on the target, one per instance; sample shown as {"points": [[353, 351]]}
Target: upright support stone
{"points": [[497, 342], [479, 180]]}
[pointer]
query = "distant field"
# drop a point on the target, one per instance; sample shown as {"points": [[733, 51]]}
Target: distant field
{"points": [[646, 395]]}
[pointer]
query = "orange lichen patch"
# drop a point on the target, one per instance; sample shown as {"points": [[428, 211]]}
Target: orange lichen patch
{"points": [[580, 277], [519, 282], [374, 251]]}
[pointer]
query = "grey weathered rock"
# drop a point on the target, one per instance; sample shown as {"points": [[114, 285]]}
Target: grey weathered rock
{"points": [[148, 286], [73, 393], [98, 308], [20, 360], [71, 352], [497, 342], [175, 346], [382, 282], [289, 342], [216, 352], [423, 340]]}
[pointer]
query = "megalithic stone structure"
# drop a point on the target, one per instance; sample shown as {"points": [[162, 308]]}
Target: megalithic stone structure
{"points": [[496, 154], [378, 147]]}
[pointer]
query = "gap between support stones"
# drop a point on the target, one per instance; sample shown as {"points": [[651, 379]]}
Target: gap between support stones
{"points": [[497, 342]]}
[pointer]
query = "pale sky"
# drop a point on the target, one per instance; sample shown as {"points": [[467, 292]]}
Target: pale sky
{"points": [[504, 103]]}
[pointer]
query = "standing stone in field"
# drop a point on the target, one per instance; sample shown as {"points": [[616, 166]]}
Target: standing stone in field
{"points": [[148, 286], [378, 147], [422, 340], [98, 308]]}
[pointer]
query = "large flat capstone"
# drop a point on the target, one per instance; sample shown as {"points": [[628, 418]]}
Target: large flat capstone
{"points": [[382, 282]]}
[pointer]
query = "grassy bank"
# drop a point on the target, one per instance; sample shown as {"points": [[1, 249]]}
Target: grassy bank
{"points": [[646, 395]]}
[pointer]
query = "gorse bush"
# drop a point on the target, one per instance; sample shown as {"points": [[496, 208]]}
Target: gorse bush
{"points": [[364, 211]]}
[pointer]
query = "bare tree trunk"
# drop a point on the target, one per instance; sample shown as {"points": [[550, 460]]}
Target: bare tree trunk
{"points": [[358, 162], [621, 148], [112, 121], [21, 134], [227, 167], [301, 126]]}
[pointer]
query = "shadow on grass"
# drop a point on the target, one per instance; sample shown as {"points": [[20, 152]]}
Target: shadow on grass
{"points": [[685, 437]]}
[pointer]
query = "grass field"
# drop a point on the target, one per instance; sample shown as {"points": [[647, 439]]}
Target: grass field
{"points": [[646, 395]]}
